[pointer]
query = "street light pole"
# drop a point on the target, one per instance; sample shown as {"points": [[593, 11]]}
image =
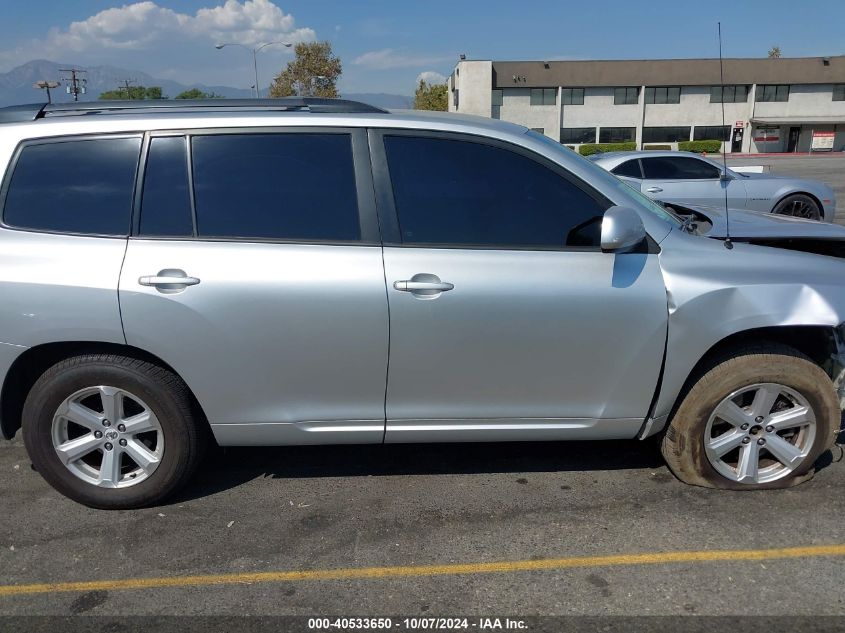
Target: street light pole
{"points": [[254, 57]]}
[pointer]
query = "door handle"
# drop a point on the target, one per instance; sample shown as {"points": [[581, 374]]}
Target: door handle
{"points": [[169, 280], [409, 285], [156, 280], [654, 190]]}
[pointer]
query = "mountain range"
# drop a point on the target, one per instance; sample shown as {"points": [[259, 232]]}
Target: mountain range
{"points": [[16, 86]]}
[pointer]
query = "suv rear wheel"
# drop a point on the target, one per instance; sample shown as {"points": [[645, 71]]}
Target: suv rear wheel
{"points": [[112, 432], [757, 419]]}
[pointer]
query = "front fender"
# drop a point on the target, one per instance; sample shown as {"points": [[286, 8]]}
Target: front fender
{"points": [[714, 292]]}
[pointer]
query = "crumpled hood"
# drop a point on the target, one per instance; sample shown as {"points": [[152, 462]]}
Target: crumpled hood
{"points": [[754, 224]]}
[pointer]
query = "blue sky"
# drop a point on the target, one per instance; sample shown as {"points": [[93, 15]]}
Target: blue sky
{"points": [[385, 45]]}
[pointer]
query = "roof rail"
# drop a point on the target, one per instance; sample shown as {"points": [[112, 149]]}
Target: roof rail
{"points": [[13, 114], [19, 113]]}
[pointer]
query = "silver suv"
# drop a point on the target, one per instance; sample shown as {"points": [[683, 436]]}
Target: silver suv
{"points": [[306, 271]]}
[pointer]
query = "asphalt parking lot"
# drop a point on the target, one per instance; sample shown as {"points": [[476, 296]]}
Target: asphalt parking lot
{"points": [[434, 530]]}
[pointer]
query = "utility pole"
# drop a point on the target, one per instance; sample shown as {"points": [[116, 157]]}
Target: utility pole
{"points": [[126, 87], [78, 81]]}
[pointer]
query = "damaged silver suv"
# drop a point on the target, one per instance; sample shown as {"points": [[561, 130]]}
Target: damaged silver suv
{"points": [[306, 271]]}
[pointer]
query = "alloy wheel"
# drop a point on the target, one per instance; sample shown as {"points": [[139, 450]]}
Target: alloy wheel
{"points": [[760, 433], [107, 437]]}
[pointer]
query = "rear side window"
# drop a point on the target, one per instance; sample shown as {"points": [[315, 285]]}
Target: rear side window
{"points": [[630, 168], [166, 200], [275, 186], [80, 186], [455, 192], [680, 168]]}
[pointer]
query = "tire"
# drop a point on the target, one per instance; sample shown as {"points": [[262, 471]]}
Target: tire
{"points": [[799, 205], [146, 460], [697, 433]]}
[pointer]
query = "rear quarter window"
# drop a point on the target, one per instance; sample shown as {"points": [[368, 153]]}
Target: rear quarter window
{"points": [[80, 186]]}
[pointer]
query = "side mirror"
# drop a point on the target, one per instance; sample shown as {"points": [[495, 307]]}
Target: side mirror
{"points": [[725, 177], [621, 230]]}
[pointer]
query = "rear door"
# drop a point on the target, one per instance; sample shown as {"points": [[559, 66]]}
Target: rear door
{"points": [[686, 179], [507, 320], [262, 284]]}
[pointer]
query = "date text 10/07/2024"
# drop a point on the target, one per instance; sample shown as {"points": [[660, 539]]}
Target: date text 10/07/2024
{"points": [[417, 624]]}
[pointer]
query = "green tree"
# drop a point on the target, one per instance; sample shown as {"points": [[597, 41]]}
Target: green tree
{"points": [[313, 73], [196, 93], [774, 52], [431, 97], [133, 93]]}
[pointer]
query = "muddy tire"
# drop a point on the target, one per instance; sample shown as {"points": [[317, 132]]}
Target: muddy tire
{"points": [[758, 418]]}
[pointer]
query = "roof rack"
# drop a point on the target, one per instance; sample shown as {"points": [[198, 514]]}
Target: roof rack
{"points": [[31, 112]]}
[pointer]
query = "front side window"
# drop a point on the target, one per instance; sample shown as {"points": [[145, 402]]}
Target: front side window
{"points": [[617, 134], [462, 193], [76, 186], [275, 186], [668, 134], [663, 94], [543, 96], [626, 96], [572, 96], [771, 92], [678, 168]]}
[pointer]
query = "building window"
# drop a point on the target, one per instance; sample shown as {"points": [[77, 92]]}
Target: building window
{"points": [[712, 133], [543, 96], [772, 92], [663, 94], [839, 92], [667, 134], [456, 93], [728, 94], [617, 134], [497, 97], [572, 96], [625, 96], [577, 135], [539, 130]]}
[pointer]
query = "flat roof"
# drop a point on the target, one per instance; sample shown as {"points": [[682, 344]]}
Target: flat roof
{"points": [[668, 72]]}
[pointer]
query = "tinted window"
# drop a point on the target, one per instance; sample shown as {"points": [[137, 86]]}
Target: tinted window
{"points": [[680, 168], [712, 132], [617, 134], [577, 135], [665, 134], [625, 96], [630, 168], [572, 96], [166, 202], [457, 192], [83, 186], [543, 96], [282, 186], [663, 94]]}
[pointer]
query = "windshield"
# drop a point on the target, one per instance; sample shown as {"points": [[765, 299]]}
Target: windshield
{"points": [[634, 197]]}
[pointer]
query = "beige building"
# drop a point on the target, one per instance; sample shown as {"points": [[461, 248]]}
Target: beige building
{"points": [[770, 105]]}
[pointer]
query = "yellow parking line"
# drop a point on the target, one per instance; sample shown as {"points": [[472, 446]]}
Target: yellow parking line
{"points": [[655, 558]]}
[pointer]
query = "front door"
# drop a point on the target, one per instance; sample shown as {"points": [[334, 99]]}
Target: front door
{"points": [[271, 302], [736, 140], [507, 321], [792, 141], [690, 180]]}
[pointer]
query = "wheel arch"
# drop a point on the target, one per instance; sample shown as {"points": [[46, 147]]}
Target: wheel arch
{"points": [[32, 363], [783, 196]]}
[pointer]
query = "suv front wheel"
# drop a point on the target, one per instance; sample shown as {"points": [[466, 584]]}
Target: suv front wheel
{"points": [[112, 432], [757, 419]]}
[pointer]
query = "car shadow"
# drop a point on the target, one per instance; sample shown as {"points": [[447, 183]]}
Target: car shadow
{"points": [[226, 468]]}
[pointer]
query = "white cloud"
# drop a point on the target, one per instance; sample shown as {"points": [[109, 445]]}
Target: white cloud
{"points": [[431, 77], [388, 58], [148, 26]]}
